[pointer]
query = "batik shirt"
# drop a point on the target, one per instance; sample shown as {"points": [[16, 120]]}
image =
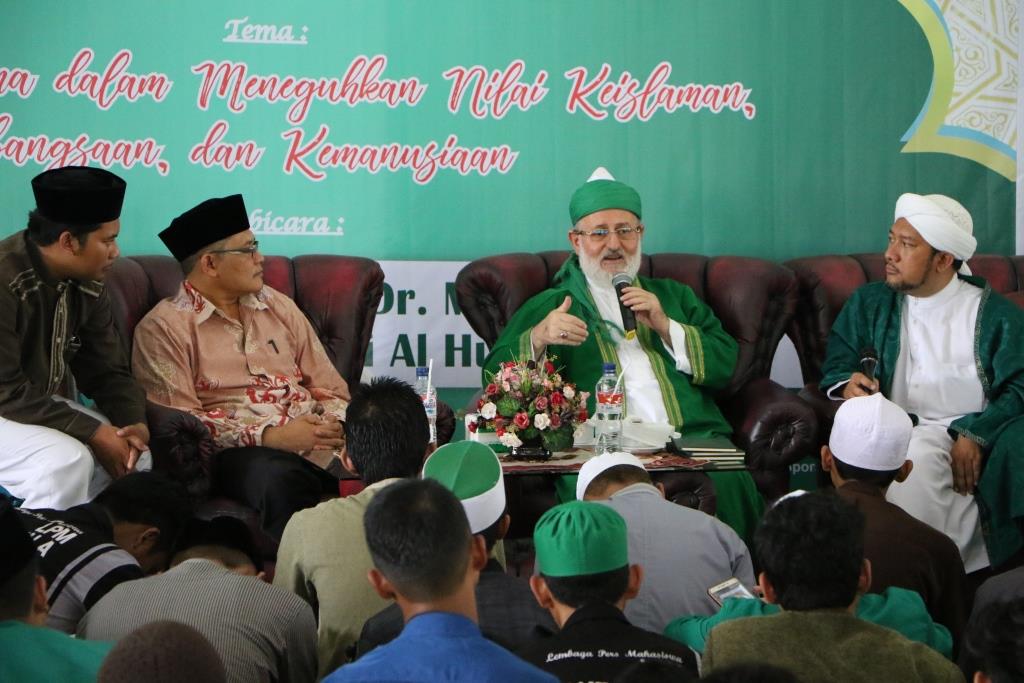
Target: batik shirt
{"points": [[237, 376]]}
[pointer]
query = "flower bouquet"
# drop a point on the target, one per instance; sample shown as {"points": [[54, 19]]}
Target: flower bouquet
{"points": [[531, 409]]}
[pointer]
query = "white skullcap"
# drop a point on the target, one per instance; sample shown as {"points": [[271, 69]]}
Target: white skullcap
{"points": [[871, 432], [598, 464], [600, 173], [942, 222]]}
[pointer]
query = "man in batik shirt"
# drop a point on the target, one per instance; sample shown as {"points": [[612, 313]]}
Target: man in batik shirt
{"points": [[244, 359]]}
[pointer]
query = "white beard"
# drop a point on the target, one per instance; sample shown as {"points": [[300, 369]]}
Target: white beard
{"points": [[599, 277]]}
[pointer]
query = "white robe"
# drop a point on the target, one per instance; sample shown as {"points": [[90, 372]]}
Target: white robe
{"points": [[936, 378], [643, 393]]}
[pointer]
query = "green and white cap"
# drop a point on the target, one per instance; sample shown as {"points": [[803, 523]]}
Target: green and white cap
{"points": [[471, 471], [600, 192], [580, 538]]}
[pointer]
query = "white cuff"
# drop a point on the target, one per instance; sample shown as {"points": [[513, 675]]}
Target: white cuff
{"points": [[830, 393], [678, 351]]}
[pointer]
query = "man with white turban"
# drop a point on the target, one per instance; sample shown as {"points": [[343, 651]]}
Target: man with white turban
{"points": [[951, 352]]}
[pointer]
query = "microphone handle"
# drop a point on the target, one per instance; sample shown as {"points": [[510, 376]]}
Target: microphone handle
{"points": [[628, 318]]}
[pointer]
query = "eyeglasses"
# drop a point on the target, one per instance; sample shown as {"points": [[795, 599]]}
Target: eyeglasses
{"points": [[247, 250], [626, 234]]}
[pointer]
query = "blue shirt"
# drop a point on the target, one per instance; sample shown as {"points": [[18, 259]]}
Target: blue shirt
{"points": [[439, 646]]}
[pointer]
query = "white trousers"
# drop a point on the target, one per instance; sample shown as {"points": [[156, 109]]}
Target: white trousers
{"points": [[50, 469], [928, 495]]}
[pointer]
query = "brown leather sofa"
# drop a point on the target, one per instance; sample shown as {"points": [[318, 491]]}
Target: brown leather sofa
{"points": [[754, 299], [339, 295], [826, 282]]}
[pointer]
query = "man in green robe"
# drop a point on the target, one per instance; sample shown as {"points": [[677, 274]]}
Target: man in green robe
{"points": [[677, 356], [951, 352]]}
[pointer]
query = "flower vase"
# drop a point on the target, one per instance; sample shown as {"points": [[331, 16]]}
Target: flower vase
{"points": [[532, 449]]}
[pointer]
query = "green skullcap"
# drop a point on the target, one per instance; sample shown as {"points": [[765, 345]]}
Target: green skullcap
{"points": [[580, 538], [602, 192], [471, 471]]}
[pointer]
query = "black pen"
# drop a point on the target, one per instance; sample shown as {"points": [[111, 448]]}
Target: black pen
{"points": [[271, 342]]}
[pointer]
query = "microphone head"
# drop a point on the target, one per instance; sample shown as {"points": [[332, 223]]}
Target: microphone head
{"points": [[621, 280], [869, 352]]}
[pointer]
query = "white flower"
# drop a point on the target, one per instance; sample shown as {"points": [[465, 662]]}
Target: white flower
{"points": [[489, 411], [510, 439], [541, 421], [568, 392]]}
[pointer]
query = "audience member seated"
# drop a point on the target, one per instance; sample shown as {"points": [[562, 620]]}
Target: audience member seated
{"points": [[426, 559], [127, 532], [508, 614], [30, 651], [163, 652], [684, 552], [244, 359], [260, 632], [866, 452], [58, 338], [951, 351], [1005, 587], [585, 579], [811, 552], [995, 643], [323, 556], [671, 366]]}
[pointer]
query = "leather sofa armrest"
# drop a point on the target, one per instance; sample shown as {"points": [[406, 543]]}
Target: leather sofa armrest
{"points": [[774, 426], [182, 447], [824, 409]]}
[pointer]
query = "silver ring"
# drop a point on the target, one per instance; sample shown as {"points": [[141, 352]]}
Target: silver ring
{"points": [[563, 334]]}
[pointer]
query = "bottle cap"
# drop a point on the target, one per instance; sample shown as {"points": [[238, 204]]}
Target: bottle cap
{"points": [[609, 367], [422, 372]]}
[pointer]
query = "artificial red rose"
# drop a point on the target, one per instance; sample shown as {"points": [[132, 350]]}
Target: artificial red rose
{"points": [[472, 427], [556, 420], [582, 415], [500, 432], [499, 423], [549, 367], [557, 399], [480, 403], [492, 388], [522, 420], [541, 403]]}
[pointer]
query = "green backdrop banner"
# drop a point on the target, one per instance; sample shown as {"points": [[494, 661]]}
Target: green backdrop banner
{"points": [[453, 129]]}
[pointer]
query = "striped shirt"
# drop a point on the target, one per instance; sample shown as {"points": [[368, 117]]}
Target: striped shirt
{"points": [[261, 633], [78, 558]]}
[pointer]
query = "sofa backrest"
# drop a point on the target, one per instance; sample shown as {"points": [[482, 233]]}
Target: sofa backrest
{"points": [[338, 294], [826, 282], [753, 298]]}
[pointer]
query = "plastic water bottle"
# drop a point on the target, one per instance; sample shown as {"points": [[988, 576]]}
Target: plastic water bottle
{"points": [[609, 411], [429, 399]]}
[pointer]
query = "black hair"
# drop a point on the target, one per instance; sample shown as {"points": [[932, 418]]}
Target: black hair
{"points": [[490, 534], [224, 532], [44, 232], [811, 549], [751, 673], [994, 643], [419, 538], [618, 474], [583, 589], [879, 478], [17, 591], [149, 498], [386, 430]]}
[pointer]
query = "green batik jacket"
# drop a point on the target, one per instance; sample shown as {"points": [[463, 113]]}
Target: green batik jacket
{"points": [[687, 399], [872, 318]]}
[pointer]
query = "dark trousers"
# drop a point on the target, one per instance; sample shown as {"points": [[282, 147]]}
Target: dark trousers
{"points": [[275, 483]]}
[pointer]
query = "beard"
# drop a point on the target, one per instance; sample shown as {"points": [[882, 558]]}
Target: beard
{"points": [[602, 278]]}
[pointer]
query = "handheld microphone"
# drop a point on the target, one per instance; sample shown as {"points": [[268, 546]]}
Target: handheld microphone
{"points": [[621, 281], [868, 361]]}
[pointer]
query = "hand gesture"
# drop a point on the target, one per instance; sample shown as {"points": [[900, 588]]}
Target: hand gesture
{"points": [[137, 436], [966, 464], [647, 309], [305, 433], [860, 385], [112, 451], [558, 327]]}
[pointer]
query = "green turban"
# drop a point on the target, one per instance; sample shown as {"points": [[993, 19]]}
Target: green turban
{"points": [[580, 538], [602, 192]]}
